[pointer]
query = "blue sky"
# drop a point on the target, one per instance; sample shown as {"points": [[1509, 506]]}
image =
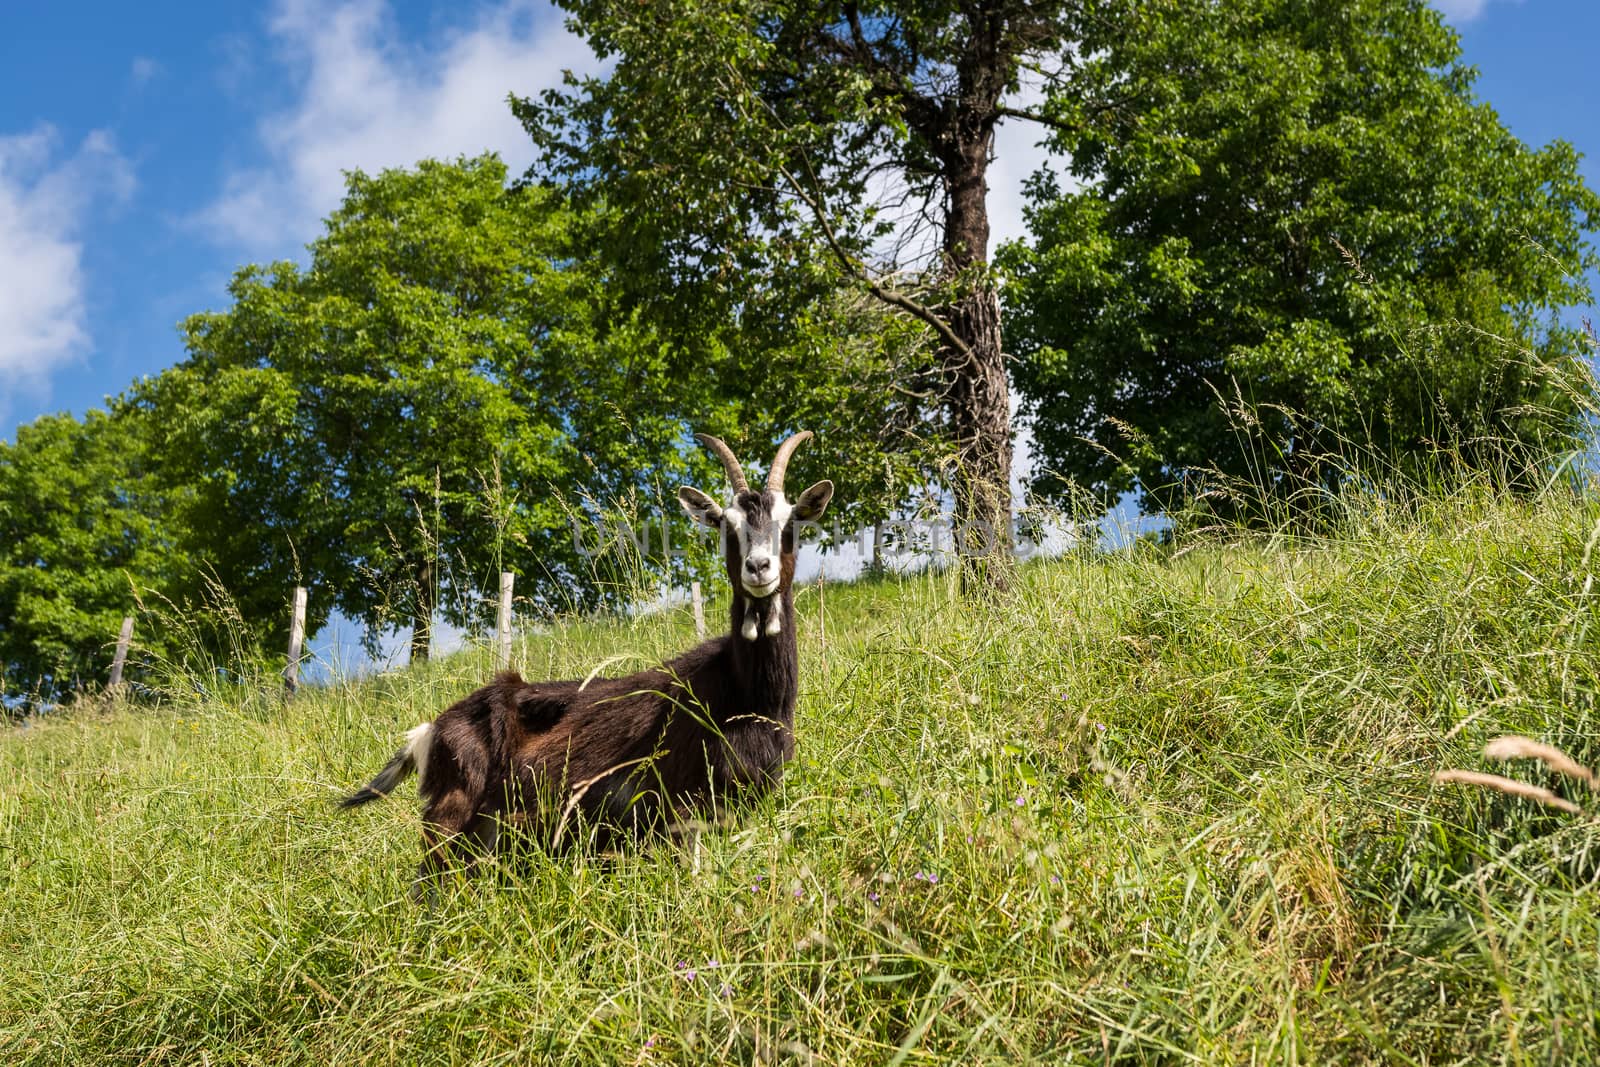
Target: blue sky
{"points": [[142, 161]]}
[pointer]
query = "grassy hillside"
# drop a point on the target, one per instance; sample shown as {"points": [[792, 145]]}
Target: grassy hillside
{"points": [[1166, 805]]}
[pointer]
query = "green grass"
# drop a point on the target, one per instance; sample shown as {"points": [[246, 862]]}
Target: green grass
{"points": [[1164, 805]]}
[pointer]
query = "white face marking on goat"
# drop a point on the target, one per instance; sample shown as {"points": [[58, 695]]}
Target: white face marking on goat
{"points": [[756, 524], [758, 538]]}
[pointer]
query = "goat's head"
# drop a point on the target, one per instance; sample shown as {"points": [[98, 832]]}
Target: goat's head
{"points": [[758, 528]]}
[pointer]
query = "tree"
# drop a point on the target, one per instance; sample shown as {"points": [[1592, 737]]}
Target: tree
{"points": [[451, 388], [423, 405], [84, 536], [1300, 206], [864, 379], [756, 154]]}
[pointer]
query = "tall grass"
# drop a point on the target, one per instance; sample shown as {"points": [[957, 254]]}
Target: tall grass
{"points": [[1166, 804]]}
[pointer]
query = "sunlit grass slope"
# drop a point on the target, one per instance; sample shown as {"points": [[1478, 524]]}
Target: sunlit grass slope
{"points": [[1167, 804]]}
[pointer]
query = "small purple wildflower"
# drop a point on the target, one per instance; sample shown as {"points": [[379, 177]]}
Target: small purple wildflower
{"points": [[651, 1042], [726, 991], [872, 897], [798, 893], [1019, 802], [1055, 879]]}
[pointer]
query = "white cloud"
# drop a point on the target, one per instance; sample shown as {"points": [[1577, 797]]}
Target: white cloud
{"points": [[144, 69], [45, 199], [365, 98]]}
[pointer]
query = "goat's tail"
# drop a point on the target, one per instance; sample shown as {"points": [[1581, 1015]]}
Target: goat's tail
{"points": [[413, 756]]}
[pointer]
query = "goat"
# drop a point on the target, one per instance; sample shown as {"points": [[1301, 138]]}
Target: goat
{"points": [[611, 759]]}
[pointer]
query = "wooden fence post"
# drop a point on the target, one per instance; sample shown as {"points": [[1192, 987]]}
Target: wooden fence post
{"points": [[699, 603], [124, 639], [502, 658], [297, 637]]}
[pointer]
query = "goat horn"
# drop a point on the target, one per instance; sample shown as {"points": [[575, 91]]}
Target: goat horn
{"points": [[730, 462], [780, 462]]}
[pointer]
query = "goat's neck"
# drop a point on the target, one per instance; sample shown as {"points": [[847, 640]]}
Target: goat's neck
{"points": [[768, 662]]}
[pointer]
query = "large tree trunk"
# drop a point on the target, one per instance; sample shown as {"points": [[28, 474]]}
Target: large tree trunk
{"points": [[977, 396], [978, 403]]}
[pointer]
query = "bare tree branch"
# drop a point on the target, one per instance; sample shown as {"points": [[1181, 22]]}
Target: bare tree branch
{"points": [[1033, 116], [859, 271]]}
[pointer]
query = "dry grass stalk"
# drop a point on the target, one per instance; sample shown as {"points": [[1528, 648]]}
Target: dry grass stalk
{"points": [[1513, 746], [1507, 785]]}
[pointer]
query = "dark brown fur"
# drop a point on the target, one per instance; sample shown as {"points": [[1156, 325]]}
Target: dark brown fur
{"points": [[595, 764]]}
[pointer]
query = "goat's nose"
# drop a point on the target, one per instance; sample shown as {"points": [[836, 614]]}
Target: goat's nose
{"points": [[757, 566]]}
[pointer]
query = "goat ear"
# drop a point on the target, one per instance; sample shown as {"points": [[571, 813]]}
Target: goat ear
{"points": [[701, 508], [814, 501]]}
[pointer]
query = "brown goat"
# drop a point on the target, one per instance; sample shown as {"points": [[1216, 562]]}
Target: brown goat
{"points": [[599, 762]]}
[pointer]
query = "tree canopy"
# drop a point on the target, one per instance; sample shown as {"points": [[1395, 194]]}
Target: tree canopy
{"points": [[452, 387], [422, 405], [1298, 209], [760, 153], [87, 537]]}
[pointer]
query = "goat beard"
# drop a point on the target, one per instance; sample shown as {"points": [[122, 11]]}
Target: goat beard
{"points": [[752, 627]]}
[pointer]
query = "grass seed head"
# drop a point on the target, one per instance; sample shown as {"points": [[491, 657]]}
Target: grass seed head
{"points": [[1513, 746]]}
